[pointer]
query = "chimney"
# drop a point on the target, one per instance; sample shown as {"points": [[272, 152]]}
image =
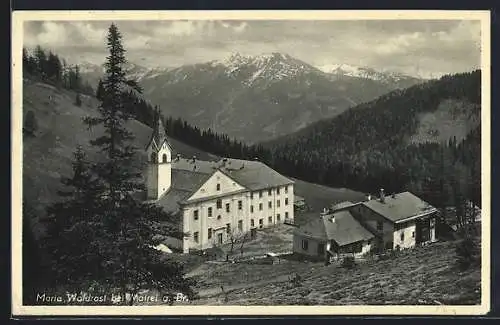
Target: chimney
{"points": [[324, 212], [178, 157], [332, 219], [382, 195], [194, 159], [368, 197]]}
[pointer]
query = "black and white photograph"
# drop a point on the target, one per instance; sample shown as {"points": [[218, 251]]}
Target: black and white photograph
{"points": [[197, 163]]}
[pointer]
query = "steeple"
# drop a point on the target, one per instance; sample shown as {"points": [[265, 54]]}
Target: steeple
{"points": [[159, 153], [158, 137]]}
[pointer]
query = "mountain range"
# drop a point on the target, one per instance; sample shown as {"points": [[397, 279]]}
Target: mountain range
{"points": [[257, 98]]}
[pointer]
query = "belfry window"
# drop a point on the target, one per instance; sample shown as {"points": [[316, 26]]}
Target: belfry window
{"points": [[164, 158]]}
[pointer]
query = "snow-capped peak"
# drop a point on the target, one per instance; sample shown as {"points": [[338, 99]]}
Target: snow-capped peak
{"points": [[361, 72], [267, 66]]}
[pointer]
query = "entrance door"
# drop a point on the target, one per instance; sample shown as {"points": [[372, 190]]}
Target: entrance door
{"points": [[423, 231], [219, 238]]}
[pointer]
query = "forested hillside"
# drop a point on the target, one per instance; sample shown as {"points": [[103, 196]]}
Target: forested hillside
{"points": [[368, 147]]}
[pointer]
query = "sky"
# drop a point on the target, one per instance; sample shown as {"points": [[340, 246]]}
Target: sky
{"points": [[425, 48]]}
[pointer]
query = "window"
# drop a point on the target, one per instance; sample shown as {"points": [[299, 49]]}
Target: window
{"points": [[228, 228], [413, 234], [380, 225], [251, 209], [219, 204], [278, 203], [305, 244], [286, 215], [402, 236], [218, 217], [260, 206], [227, 207], [240, 225], [209, 233], [270, 192], [240, 205], [270, 204], [195, 236], [261, 223], [321, 249], [260, 194], [251, 195], [270, 219], [218, 187], [195, 214], [210, 212], [164, 158], [278, 191], [286, 189], [278, 217], [286, 201], [252, 223]]}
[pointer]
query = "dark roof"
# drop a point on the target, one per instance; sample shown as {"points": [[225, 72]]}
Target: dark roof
{"points": [[170, 201], [402, 206], [252, 174], [198, 166], [341, 205], [188, 180], [344, 230]]}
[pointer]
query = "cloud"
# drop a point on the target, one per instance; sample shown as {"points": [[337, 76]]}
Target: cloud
{"points": [[408, 45]]}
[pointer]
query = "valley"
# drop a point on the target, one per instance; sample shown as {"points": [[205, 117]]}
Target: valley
{"points": [[257, 98]]}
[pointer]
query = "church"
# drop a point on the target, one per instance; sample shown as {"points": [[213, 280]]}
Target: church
{"points": [[214, 200]]}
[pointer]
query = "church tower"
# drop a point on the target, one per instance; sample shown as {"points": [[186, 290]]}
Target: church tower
{"points": [[159, 152]]}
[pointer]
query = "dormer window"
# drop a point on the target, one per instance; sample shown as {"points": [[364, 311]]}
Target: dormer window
{"points": [[218, 187], [164, 158]]}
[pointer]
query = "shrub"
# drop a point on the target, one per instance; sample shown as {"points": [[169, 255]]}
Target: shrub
{"points": [[78, 100], [348, 262], [30, 124], [466, 252]]}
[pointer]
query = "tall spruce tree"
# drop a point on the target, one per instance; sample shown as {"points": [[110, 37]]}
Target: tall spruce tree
{"points": [[116, 249]]}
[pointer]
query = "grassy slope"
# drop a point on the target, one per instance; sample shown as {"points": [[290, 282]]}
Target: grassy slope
{"points": [[425, 275], [320, 196], [48, 156]]}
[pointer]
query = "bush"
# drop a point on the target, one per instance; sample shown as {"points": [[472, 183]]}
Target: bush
{"points": [[466, 252], [348, 262], [78, 100], [30, 124]]}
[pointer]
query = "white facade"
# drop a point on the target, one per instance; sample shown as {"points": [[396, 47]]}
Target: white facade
{"points": [[159, 171], [212, 218]]}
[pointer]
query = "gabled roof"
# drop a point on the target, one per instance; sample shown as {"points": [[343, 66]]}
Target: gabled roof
{"points": [[252, 174], [402, 206], [344, 229], [188, 175]]}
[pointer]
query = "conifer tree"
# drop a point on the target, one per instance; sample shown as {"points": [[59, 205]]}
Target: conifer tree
{"points": [[78, 100], [30, 124], [100, 90], [115, 230]]}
